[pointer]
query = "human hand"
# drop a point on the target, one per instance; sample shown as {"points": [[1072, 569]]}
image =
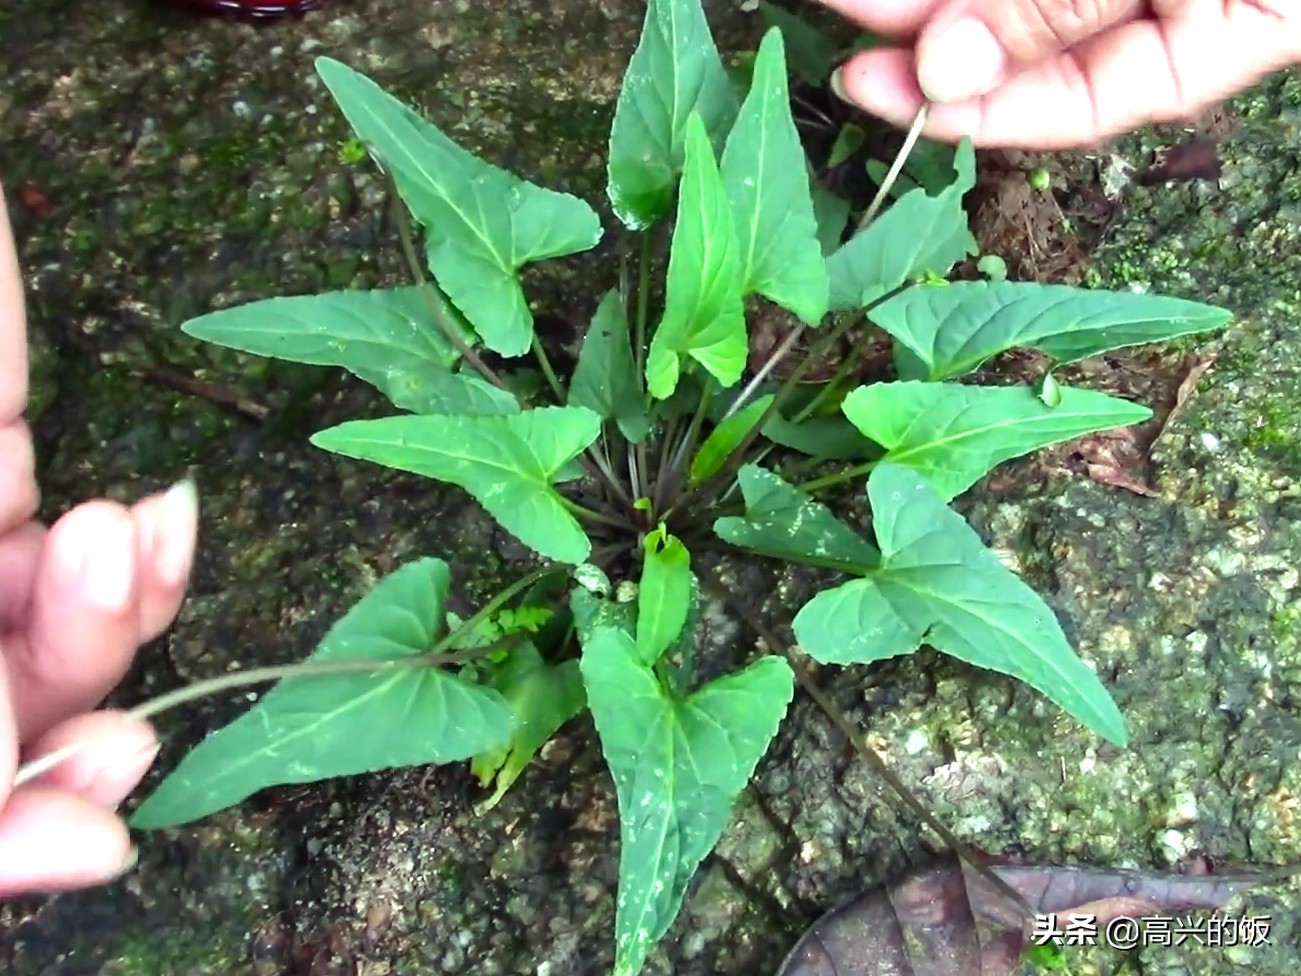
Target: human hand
{"points": [[1055, 74], [76, 600]]}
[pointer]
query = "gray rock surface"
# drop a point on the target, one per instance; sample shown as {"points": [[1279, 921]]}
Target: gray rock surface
{"points": [[189, 165]]}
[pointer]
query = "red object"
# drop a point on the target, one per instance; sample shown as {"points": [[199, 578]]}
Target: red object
{"points": [[34, 199], [251, 9]]}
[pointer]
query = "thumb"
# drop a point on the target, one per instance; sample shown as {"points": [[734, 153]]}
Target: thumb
{"points": [[969, 46]]}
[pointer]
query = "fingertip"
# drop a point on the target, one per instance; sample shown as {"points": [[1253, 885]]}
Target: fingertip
{"points": [[883, 82], [167, 533], [53, 841], [114, 753], [90, 557], [83, 625], [960, 61]]}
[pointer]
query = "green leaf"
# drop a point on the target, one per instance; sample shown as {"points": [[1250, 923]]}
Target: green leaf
{"points": [[508, 463], [675, 72], [955, 435], [832, 214], [664, 595], [593, 613], [776, 229], [827, 438], [313, 728], [678, 766], [482, 223], [542, 698], [704, 314], [954, 328], [919, 233], [849, 140], [931, 165], [385, 338], [677, 665], [726, 438], [903, 184], [1049, 390], [782, 521], [605, 379], [812, 53], [939, 585]]}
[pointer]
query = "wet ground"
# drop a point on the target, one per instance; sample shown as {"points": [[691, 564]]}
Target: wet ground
{"points": [[162, 166]]}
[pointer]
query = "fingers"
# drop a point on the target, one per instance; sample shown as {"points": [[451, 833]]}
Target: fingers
{"points": [[968, 47], [1138, 72], [114, 754], [52, 840], [13, 327], [20, 550], [19, 496], [8, 737], [82, 627], [107, 579], [889, 18], [166, 530]]}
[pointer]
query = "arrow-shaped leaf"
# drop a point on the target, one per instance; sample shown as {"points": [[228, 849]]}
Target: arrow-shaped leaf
{"points": [[678, 766], [954, 435], [542, 698], [313, 728], [781, 257], [952, 329], [917, 234], [664, 594], [508, 463], [482, 223], [938, 584], [782, 521], [383, 337], [605, 379], [674, 72], [704, 314]]}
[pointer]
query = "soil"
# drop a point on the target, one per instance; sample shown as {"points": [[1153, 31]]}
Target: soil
{"points": [[161, 166]]}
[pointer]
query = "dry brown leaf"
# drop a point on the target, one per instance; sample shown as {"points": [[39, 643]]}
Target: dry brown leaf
{"points": [[948, 920]]}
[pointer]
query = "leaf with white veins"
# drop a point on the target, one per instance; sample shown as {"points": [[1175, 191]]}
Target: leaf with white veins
{"points": [[704, 313], [678, 766], [937, 584], [781, 257], [482, 223], [955, 434], [509, 464], [316, 727]]}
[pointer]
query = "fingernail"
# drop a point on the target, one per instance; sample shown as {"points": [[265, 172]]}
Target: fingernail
{"points": [[108, 564], [178, 518], [837, 84], [965, 61], [113, 783]]}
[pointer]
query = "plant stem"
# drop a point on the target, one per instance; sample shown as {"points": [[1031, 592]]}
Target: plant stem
{"points": [[840, 477], [597, 467], [808, 681], [544, 362], [686, 447], [737, 455], [581, 512], [643, 302], [435, 299], [841, 371], [435, 658], [896, 167], [662, 470], [602, 463], [762, 373]]}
